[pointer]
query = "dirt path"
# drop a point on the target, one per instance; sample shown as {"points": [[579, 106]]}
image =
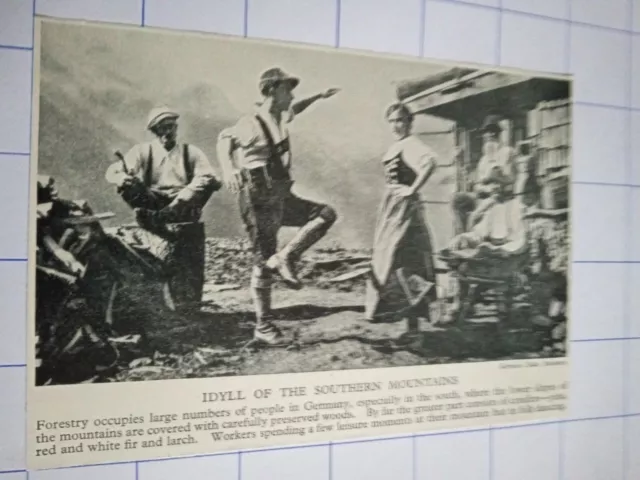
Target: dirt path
{"points": [[331, 332]]}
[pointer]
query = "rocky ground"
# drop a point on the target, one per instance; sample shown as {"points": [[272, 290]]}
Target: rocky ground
{"points": [[326, 317]]}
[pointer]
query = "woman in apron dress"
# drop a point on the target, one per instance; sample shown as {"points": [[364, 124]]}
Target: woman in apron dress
{"points": [[402, 239]]}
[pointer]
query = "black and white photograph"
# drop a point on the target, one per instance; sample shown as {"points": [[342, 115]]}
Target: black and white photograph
{"points": [[210, 206]]}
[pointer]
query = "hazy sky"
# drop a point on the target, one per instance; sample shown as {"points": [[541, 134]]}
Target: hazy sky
{"points": [[347, 132], [166, 62]]}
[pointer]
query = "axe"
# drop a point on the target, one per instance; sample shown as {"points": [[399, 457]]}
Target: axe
{"points": [[119, 156]]}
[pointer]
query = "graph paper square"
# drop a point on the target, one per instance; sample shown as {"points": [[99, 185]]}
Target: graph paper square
{"points": [[438, 456], [12, 418], [634, 374], [547, 53], [612, 13], [16, 24], [218, 16], [13, 304], [101, 472], [600, 62], [635, 223], [463, 32], [13, 476], [602, 315], [549, 8], [599, 223], [118, 11], [218, 467], [529, 453], [311, 21], [593, 450], [15, 98], [397, 30], [373, 460], [632, 446], [600, 138], [635, 145], [490, 3], [596, 379], [14, 186], [633, 314], [311, 463], [635, 72]]}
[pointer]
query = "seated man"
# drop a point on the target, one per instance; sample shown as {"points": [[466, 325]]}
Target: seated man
{"points": [[164, 180], [502, 233], [494, 173]]}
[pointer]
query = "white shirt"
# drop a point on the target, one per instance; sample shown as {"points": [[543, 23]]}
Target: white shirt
{"points": [[249, 142], [167, 172], [414, 152], [502, 159], [503, 224]]}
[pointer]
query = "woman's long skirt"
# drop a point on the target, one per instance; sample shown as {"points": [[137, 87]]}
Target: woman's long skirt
{"points": [[402, 241]]}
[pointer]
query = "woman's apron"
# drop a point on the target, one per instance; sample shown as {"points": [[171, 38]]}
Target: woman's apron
{"points": [[402, 240]]}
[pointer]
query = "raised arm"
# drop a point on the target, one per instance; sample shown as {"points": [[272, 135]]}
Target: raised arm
{"points": [[301, 105]]}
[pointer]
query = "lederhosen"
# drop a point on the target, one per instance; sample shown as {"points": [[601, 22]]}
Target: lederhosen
{"points": [[267, 203]]}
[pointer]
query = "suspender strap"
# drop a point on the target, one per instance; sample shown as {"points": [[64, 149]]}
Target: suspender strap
{"points": [[148, 167], [188, 168], [187, 163], [275, 166]]}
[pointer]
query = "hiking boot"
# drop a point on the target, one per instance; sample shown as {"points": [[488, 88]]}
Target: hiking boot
{"points": [[285, 269], [308, 235], [267, 332]]}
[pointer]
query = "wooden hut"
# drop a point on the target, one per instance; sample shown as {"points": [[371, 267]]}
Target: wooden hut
{"points": [[536, 110]]}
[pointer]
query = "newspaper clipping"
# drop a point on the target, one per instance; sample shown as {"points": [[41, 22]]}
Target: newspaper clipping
{"points": [[242, 244]]}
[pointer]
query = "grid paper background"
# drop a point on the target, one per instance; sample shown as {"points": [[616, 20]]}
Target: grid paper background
{"points": [[597, 40]]}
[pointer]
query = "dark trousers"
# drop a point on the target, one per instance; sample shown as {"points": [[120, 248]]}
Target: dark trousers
{"points": [[185, 265], [151, 199], [266, 205]]}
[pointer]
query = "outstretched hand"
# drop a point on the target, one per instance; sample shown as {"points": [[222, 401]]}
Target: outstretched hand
{"points": [[330, 92]]}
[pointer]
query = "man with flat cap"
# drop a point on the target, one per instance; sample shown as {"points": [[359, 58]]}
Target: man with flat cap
{"points": [[255, 157], [168, 182], [164, 180], [495, 173]]}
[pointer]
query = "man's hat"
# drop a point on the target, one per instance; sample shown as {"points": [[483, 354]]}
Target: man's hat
{"points": [[158, 114], [491, 124], [275, 76]]}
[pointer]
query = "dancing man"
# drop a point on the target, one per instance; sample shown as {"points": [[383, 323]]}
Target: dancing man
{"points": [[256, 159]]}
